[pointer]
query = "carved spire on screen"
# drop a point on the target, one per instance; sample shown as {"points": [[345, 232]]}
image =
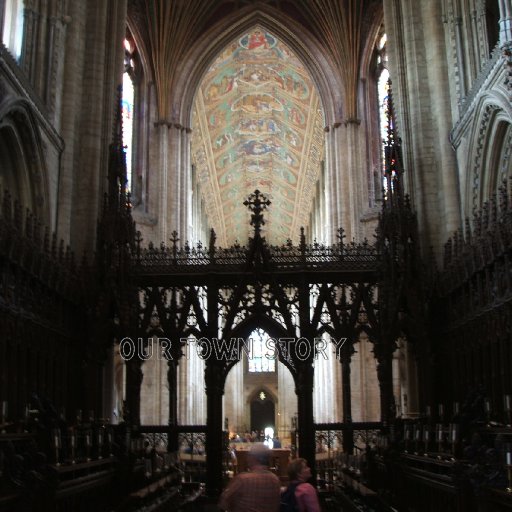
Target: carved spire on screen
{"points": [[257, 203]]}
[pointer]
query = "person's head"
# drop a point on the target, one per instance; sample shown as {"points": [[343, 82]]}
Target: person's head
{"points": [[298, 469], [258, 457]]}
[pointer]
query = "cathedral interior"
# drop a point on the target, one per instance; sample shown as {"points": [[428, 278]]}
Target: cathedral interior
{"points": [[233, 222]]}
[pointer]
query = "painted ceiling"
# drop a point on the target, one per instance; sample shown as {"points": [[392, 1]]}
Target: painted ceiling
{"points": [[257, 124]]}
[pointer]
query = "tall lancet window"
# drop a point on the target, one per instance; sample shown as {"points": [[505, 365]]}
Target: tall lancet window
{"points": [[262, 355], [383, 95], [12, 33], [128, 102]]}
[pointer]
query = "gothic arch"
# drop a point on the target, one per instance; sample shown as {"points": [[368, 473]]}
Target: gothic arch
{"points": [[269, 325], [369, 110], [368, 50], [201, 55], [494, 114], [141, 56], [21, 154], [496, 167]]}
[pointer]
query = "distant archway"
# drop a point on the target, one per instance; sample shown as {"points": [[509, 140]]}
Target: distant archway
{"points": [[23, 172], [263, 412]]}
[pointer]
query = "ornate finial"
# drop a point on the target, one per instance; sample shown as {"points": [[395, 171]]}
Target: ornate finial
{"points": [[117, 173], [341, 244], [174, 237], [257, 203], [174, 241], [302, 240], [392, 153], [211, 244]]}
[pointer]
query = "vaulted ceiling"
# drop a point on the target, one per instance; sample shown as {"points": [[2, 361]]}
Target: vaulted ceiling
{"points": [[256, 119], [257, 124]]}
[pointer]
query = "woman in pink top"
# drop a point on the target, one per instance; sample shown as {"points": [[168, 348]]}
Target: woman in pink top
{"points": [[305, 493]]}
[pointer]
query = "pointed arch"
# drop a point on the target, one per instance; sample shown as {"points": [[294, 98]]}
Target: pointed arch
{"points": [[271, 327], [488, 143], [23, 165]]}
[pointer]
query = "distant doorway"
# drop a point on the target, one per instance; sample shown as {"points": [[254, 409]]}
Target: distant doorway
{"points": [[262, 412]]}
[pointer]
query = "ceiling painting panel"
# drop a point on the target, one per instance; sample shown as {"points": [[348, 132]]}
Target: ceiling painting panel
{"points": [[257, 123]]}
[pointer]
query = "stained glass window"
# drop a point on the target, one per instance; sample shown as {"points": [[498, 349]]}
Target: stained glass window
{"points": [[127, 105], [262, 356]]}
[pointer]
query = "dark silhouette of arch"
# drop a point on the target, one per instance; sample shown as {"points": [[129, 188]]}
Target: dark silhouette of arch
{"points": [[273, 328]]}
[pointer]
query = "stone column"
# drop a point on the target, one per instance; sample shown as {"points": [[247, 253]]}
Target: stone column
{"points": [[30, 30], [95, 67], [2, 13], [53, 87], [421, 93], [71, 100], [185, 197], [331, 183], [234, 406], [171, 158], [344, 178], [443, 154], [461, 56], [173, 185], [161, 163], [42, 49], [354, 144], [339, 171]]}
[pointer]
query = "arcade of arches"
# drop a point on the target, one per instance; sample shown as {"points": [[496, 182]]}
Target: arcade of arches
{"points": [[293, 216]]}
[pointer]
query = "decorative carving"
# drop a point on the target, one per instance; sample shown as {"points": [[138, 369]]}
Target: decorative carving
{"points": [[506, 50], [257, 203]]}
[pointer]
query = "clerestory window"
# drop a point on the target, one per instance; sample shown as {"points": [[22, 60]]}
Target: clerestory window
{"points": [[262, 356], [12, 33], [128, 103]]}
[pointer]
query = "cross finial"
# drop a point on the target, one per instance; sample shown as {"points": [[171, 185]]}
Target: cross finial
{"points": [[174, 238], [257, 203]]}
